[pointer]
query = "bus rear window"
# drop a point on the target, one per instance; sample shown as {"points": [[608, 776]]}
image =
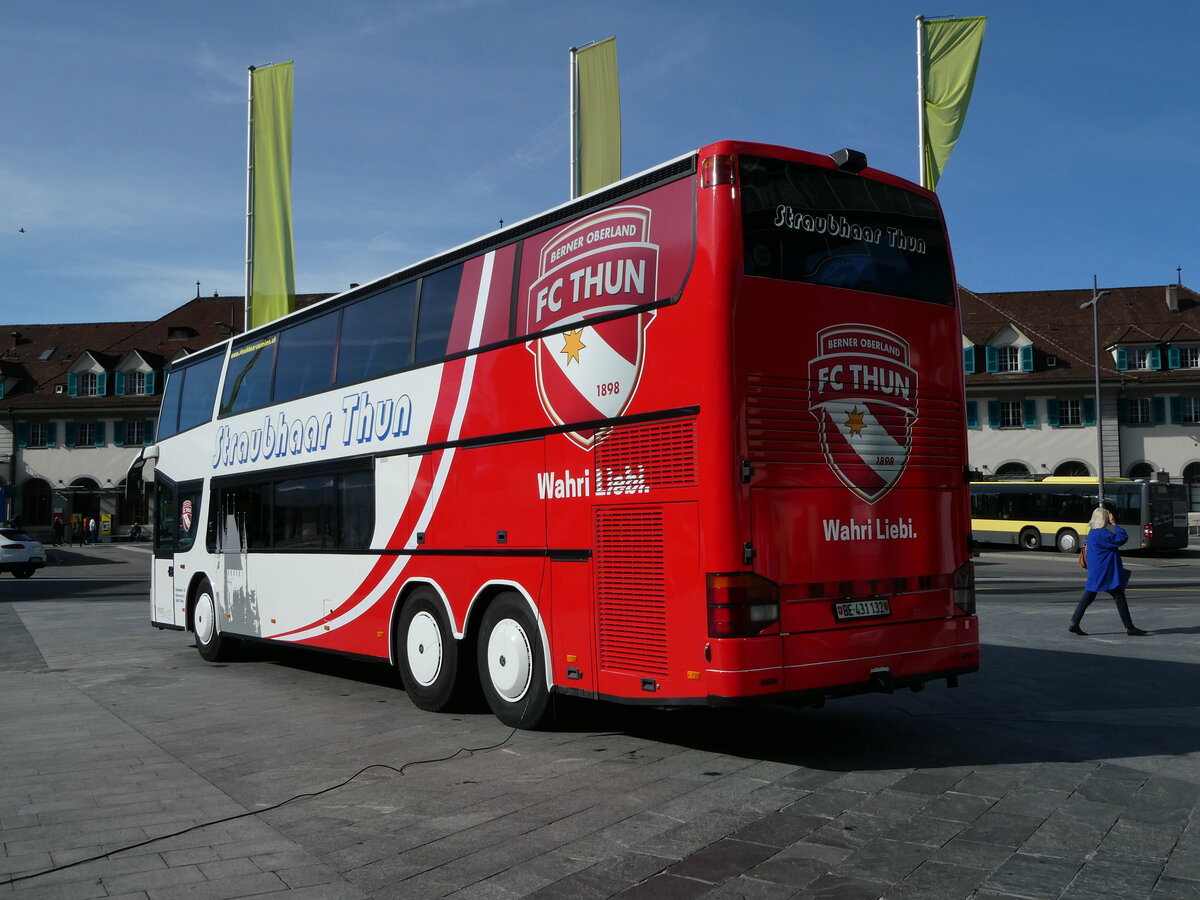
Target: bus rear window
{"points": [[821, 226]]}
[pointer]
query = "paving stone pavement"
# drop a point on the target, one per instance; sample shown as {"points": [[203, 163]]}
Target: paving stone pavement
{"points": [[1064, 769]]}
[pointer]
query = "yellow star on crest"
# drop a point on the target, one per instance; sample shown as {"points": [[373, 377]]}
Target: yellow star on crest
{"points": [[573, 343], [855, 423]]}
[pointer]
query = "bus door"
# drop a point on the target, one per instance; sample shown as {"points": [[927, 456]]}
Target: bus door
{"points": [[176, 526]]}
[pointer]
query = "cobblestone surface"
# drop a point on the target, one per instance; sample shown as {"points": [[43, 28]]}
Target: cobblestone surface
{"points": [[1066, 768]]}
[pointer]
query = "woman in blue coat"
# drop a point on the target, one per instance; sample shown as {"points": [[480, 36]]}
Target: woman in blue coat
{"points": [[1104, 570]]}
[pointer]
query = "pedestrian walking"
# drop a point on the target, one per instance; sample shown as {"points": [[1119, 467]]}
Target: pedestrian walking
{"points": [[58, 528], [93, 533], [1104, 570]]}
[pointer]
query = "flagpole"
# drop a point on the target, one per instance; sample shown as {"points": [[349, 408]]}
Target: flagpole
{"points": [[573, 79], [249, 196], [921, 100]]}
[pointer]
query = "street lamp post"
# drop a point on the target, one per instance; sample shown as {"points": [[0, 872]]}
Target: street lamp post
{"points": [[1094, 304]]}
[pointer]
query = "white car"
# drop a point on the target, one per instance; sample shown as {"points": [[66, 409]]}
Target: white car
{"points": [[19, 553]]}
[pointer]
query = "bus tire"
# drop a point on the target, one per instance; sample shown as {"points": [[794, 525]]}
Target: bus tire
{"points": [[512, 667], [1031, 539], [1067, 541], [212, 644], [427, 652]]}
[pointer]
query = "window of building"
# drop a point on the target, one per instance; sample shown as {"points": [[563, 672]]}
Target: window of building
{"points": [[135, 382], [1008, 359], [1140, 412], [1010, 414], [37, 434], [1189, 357], [1070, 413], [89, 384], [1190, 409], [135, 431]]}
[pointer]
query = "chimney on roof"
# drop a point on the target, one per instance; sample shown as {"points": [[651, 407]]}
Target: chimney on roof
{"points": [[1173, 298]]}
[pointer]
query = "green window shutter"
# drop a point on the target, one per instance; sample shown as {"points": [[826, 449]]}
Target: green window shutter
{"points": [[972, 414], [1156, 358], [969, 360], [1, 388], [1089, 410], [1029, 408], [1176, 410], [1027, 358], [150, 382], [991, 357], [119, 433], [98, 441], [72, 384], [70, 436], [1158, 407], [148, 432], [1052, 412], [102, 384], [1123, 411], [1122, 359], [119, 384], [1174, 360], [993, 407], [51, 434], [22, 434]]}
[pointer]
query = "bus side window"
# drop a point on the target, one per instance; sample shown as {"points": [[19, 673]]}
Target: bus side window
{"points": [[376, 335], [435, 313], [304, 363]]}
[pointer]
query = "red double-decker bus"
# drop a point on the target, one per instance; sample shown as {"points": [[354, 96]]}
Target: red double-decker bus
{"points": [[696, 438]]}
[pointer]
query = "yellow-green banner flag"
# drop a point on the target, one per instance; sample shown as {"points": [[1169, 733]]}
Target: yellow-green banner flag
{"points": [[951, 56], [272, 281], [599, 116]]}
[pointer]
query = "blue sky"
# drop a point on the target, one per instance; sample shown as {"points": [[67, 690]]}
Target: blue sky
{"points": [[419, 125]]}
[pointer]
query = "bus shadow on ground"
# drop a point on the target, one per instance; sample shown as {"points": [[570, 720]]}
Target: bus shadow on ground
{"points": [[1024, 706]]}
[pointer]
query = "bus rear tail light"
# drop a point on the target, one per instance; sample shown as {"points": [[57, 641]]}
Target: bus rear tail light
{"points": [[1148, 533], [964, 588], [717, 170], [741, 604]]}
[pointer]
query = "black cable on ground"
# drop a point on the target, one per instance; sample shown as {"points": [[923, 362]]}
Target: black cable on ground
{"points": [[13, 879]]}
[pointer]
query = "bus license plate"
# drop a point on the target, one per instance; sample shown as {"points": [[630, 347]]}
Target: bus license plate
{"points": [[861, 609]]}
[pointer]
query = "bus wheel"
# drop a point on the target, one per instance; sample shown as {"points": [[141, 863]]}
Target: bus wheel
{"points": [[512, 669], [213, 646], [1067, 541], [1031, 539], [427, 652]]}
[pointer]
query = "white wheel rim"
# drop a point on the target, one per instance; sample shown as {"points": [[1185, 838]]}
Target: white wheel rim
{"points": [[423, 645], [509, 659], [206, 618]]}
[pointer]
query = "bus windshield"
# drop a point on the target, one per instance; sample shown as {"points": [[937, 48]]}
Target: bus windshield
{"points": [[821, 226]]}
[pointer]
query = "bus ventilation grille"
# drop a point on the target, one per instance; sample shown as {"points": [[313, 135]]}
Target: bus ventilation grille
{"points": [[631, 589], [650, 456]]}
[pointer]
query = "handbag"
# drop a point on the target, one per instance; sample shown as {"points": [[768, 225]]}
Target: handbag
{"points": [[1083, 559]]}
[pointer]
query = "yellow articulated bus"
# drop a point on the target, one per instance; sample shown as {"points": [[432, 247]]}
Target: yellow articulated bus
{"points": [[1053, 512]]}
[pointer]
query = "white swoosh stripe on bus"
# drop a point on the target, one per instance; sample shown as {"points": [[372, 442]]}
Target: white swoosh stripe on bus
{"points": [[439, 479]]}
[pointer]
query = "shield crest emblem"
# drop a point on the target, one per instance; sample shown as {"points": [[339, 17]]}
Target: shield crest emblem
{"points": [[588, 367], [863, 393]]}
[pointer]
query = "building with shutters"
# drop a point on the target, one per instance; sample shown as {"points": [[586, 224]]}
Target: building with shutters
{"points": [[1030, 370], [79, 401]]}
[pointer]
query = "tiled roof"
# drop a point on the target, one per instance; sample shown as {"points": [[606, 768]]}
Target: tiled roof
{"points": [[1054, 322], [40, 355]]}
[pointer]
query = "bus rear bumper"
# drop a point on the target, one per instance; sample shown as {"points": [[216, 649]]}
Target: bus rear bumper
{"points": [[845, 661]]}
